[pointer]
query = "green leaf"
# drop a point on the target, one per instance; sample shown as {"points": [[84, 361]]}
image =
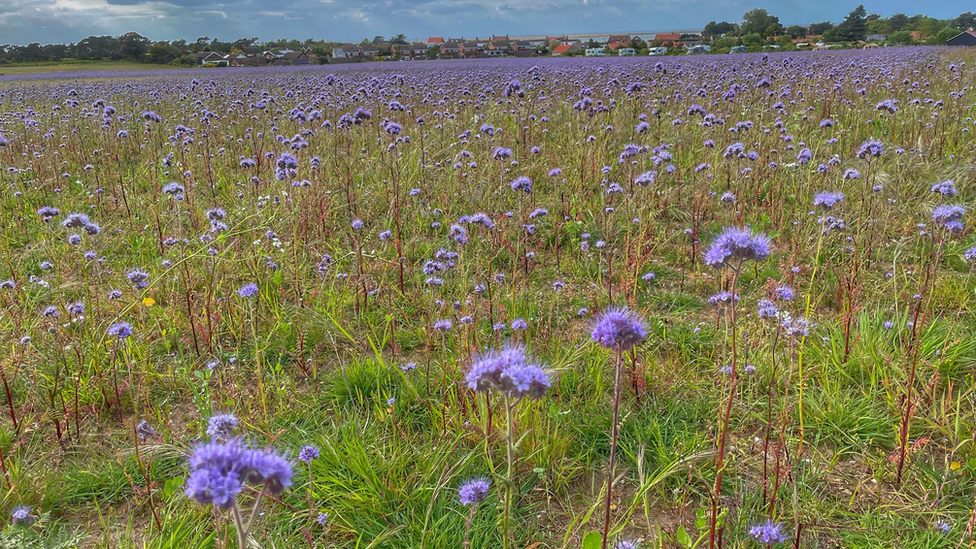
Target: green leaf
{"points": [[592, 540], [682, 537], [171, 486], [277, 278], [701, 519]]}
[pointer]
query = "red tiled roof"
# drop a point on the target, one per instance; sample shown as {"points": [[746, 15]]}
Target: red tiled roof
{"points": [[435, 40], [668, 36], [562, 48]]}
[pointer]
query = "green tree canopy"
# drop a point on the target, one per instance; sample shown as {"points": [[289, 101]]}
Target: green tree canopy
{"points": [[757, 21]]}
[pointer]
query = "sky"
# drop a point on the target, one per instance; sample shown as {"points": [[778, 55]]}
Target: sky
{"points": [[62, 21]]}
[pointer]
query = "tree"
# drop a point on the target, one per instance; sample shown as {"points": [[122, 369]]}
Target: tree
{"points": [[943, 36], [377, 40], [553, 44], [433, 51], [816, 29], [717, 29], [928, 26], [399, 39], [964, 21], [773, 29], [854, 27], [757, 21], [879, 26], [133, 46], [900, 38], [898, 21], [796, 31]]}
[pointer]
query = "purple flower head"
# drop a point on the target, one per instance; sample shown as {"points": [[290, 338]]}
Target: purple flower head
{"points": [[308, 453], [645, 179], [508, 370], [474, 491], [618, 328], [222, 426], [443, 326], [247, 290], [945, 188], [75, 221], [949, 215], [943, 527], [766, 309], [796, 327], [145, 431], [828, 199], [523, 184], [970, 254], [769, 533], [722, 298], [519, 324], [501, 153], [870, 149], [219, 470], [737, 244], [21, 516], [47, 212], [138, 278], [785, 293]]}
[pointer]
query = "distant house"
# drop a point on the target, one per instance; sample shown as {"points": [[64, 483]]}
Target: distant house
{"points": [[500, 39], [245, 60], [451, 49], [876, 38], [738, 49], [303, 56], [435, 40], [565, 49], [522, 45], [616, 41], [370, 52], [499, 46], [349, 51], [661, 50], [594, 52], [416, 50], [626, 51], [967, 39], [472, 49], [668, 37], [214, 58], [701, 48]]}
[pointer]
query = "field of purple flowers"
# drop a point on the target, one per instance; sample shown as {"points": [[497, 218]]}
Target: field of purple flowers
{"points": [[721, 301]]}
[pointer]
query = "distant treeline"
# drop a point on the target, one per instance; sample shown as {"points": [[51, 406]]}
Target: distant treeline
{"points": [[134, 47], [757, 25]]}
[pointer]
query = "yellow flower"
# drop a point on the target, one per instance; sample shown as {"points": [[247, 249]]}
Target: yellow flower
{"points": [[955, 465], [148, 302]]}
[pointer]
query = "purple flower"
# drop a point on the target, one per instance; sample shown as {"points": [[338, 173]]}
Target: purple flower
{"points": [[766, 309], [145, 431], [945, 188], [949, 215], [828, 199], [47, 212], [618, 328], [501, 153], [870, 149], [222, 426], [443, 326], [785, 293], [247, 290], [138, 278], [308, 453], [970, 254], [21, 516], [75, 221], [737, 244], [523, 184], [769, 533], [219, 470], [508, 370], [474, 491], [645, 179], [519, 324], [796, 327]]}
